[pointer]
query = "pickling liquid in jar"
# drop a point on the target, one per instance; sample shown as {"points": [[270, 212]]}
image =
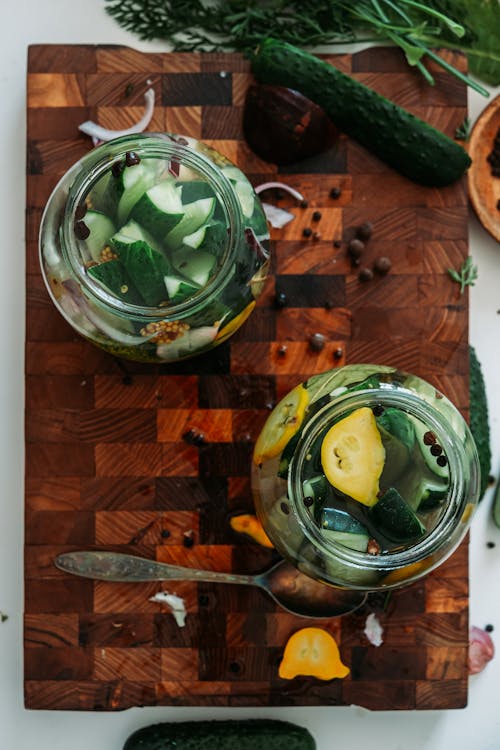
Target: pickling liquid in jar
{"points": [[365, 477], [154, 247]]}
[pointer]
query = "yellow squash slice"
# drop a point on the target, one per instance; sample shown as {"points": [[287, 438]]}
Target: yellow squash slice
{"points": [[352, 456], [312, 652], [281, 425]]}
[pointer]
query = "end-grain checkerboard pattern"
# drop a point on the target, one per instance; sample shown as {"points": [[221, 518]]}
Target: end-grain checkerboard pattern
{"points": [[106, 465]]}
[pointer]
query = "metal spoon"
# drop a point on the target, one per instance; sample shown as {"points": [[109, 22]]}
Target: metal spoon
{"points": [[291, 589]]}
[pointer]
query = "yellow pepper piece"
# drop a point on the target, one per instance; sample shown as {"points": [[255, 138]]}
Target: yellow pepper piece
{"points": [[312, 652], [248, 524], [226, 331], [353, 456], [281, 425]]}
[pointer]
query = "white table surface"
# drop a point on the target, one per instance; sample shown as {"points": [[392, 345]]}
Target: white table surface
{"points": [[343, 728]]}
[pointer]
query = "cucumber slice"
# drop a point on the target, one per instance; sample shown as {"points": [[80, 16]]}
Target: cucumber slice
{"points": [[421, 487], [179, 289], [397, 457], [196, 265], [395, 518], [195, 190], [211, 237], [147, 268], [398, 424], [131, 185], [425, 449], [195, 214], [160, 209], [101, 230], [355, 541], [246, 196], [131, 232], [115, 279], [335, 519]]}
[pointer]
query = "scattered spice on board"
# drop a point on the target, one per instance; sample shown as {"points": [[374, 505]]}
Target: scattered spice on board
{"points": [[312, 652]]}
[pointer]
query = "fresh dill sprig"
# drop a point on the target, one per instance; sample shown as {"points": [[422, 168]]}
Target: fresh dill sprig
{"points": [[462, 133], [466, 275]]}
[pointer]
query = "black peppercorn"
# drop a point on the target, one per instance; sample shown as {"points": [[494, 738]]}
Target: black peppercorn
{"points": [[338, 353], [131, 159], [429, 438], [489, 628], [366, 274], [303, 203], [365, 230], [81, 230], [306, 232], [355, 248], [317, 342], [337, 243], [436, 449], [441, 460], [284, 508], [382, 264], [378, 410], [316, 216], [308, 501], [335, 193]]}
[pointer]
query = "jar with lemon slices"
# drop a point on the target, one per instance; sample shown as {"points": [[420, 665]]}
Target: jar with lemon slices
{"points": [[365, 477], [154, 247]]}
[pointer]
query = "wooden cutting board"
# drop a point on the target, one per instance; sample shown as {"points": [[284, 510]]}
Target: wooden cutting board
{"points": [[106, 464]]}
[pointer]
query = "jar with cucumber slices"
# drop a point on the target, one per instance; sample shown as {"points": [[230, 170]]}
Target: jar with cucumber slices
{"points": [[365, 477], [154, 247]]}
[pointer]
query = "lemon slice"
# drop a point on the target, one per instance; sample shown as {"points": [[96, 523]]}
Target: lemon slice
{"points": [[353, 456], [281, 425]]}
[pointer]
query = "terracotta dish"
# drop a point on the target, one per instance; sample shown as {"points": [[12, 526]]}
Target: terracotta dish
{"points": [[484, 188]]}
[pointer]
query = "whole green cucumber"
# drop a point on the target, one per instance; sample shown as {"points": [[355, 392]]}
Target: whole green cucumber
{"points": [[479, 418], [409, 145], [247, 734]]}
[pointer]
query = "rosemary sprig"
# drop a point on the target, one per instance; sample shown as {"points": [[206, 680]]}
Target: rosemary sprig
{"points": [[466, 275]]}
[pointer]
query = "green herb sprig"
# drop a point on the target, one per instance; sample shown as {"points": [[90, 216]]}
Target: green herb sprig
{"points": [[462, 133], [466, 275], [416, 27]]}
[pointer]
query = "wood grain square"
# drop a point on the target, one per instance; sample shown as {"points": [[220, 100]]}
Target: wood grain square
{"points": [[58, 597], [121, 89], [123, 631], [399, 694], [114, 59], [62, 58], [179, 664], [315, 292], [118, 493], [294, 257], [208, 557], [62, 663], [123, 117], [222, 122], [141, 664], [130, 459], [190, 89], [300, 323], [183, 120], [178, 460], [439, 694], [56, 90], [213, 425], [51, 631], [236, 392], [61, 527]]}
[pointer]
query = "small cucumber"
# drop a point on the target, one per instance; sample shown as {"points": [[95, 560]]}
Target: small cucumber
{"points": [[408, 144], [479, 418], [244, 734], [355, 541]]}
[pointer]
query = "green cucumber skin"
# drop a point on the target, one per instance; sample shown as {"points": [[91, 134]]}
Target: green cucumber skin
{"points": [[409, 145], [249, 734], [479, 418]]}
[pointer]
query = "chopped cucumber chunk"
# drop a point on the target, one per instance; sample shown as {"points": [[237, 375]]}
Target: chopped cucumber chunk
{"points": [[148, 269], [438, 464], [114, 278], [131, 232], [196, 265], [131, 185], [195, 190], [395, 518], [195, 214], [179, 289], [246, 196], [211, 237], [355, 541], [160, 209], [101, 230], [335, 519]]}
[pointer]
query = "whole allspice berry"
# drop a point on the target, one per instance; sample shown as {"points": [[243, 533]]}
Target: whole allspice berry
{"points": [[366, 274], [355, 248], [382, 264], [364, 231]]}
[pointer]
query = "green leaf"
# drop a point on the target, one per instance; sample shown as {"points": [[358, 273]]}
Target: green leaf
{"points": [[483, 19]]}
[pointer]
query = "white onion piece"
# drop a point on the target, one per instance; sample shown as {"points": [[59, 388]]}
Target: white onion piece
{"points": [[279, 186], [98, 133], [373, 630], [277, 217], [176, 604]]}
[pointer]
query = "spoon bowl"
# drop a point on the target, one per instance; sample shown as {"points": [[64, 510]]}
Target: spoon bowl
{"points": [[292, 590]]}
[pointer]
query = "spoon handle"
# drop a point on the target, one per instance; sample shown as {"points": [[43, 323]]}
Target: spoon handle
{"points": [[115, 566]]}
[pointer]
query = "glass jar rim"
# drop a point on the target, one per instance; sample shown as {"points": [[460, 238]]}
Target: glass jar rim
{"points": [[150, 145], [458, 497]]}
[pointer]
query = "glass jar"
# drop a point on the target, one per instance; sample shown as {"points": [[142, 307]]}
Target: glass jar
{"points": [[154, 247], [365, 477]]}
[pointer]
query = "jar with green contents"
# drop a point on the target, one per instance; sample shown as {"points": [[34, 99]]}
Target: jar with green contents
{"points": [[365, 477], [154, 247]]}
